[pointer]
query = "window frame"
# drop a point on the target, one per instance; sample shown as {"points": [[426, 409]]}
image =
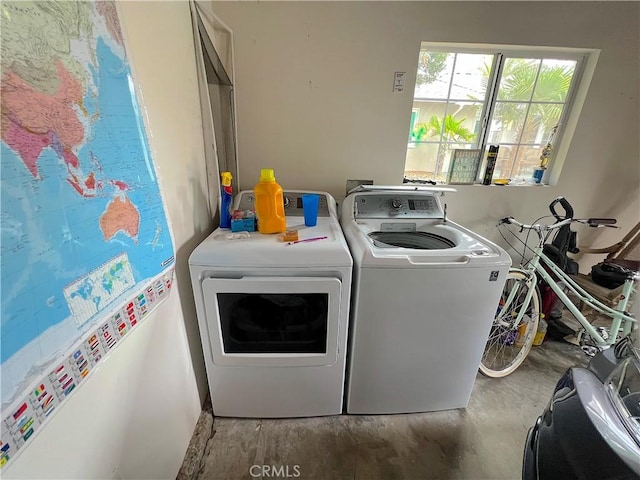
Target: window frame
{"points": [[586, 60]]}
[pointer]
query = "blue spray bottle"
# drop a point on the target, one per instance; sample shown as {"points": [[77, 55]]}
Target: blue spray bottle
{"points": [[225, 205]]}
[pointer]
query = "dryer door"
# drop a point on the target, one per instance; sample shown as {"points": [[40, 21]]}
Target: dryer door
{"points": [[272, 321]]}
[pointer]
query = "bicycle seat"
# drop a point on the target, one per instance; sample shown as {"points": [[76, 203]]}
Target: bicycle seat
{"points": [[564, 241]]}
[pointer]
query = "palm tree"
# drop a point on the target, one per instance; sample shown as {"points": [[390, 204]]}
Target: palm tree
{"points": [[452, 130], [448, 130], [551, 85], [545, 86]]}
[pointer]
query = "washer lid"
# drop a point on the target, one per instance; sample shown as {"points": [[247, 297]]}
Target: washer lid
{"points": [[416, 240], [421, 244]]}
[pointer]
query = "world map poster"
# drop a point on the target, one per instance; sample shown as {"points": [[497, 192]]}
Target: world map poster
{"points": [[83, 224]]}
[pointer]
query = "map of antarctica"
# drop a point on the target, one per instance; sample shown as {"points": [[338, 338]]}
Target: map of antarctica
{"points": [[82, 217]]}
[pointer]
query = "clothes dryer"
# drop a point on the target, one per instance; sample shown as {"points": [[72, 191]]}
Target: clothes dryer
{"points": [[424, 298], [273, 316]]}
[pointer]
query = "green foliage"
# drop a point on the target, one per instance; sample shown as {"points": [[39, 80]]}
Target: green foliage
{"points": [[452, 129], [531, 91], [551, 85], [420, 132], [430, 65]]}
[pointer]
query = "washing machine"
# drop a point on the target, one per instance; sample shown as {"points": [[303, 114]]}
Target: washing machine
{"points": [[273, 315], [425, 294]]}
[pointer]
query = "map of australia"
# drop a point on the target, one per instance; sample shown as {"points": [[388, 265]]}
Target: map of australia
{"points": [[82, 215]]}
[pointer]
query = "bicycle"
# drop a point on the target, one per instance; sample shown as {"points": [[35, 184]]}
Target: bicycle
{"points": [[516, 322]]}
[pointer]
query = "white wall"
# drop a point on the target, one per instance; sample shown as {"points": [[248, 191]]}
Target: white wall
{"points": [[314, 100], [134, 416]]}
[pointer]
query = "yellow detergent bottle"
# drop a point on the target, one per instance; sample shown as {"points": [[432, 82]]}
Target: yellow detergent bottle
{"points": [[269, 204]]}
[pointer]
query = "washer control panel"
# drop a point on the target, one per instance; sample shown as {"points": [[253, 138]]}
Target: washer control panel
{"points": [[397, 205], [292, 203]]}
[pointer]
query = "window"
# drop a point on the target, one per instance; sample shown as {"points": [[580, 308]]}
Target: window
{"points": [[469, 98]]}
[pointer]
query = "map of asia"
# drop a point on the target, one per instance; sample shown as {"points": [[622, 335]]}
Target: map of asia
{"points": [[82, 218]]}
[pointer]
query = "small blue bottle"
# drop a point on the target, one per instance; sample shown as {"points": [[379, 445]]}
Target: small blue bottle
{"points": [[227, 196]]}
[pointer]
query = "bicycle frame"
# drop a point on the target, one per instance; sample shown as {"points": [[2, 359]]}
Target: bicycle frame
{"points": [[618, 315]]}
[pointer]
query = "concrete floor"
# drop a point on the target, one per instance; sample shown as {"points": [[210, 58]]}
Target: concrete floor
{"points": [[485, 441]]}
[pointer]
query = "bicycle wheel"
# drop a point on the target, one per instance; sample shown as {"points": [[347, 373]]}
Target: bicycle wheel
{"points": [[508, 344]]}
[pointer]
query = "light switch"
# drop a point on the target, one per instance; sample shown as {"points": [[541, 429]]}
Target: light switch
{"points": [[398, 81]]}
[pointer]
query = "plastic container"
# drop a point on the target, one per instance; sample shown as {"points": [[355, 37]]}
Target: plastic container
{"points": [[310, 202], [243, 221], [537, 174], [269, 204], [542, 331], [227, 197], [522, 330]]}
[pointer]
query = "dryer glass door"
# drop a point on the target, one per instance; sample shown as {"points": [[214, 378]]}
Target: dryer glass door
{"points": [[271, 321]]}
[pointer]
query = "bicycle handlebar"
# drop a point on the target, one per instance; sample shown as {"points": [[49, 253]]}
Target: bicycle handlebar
{"points": [[561, 220], [566, 206], [536, 226], [592, 222], [601, 222]]}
